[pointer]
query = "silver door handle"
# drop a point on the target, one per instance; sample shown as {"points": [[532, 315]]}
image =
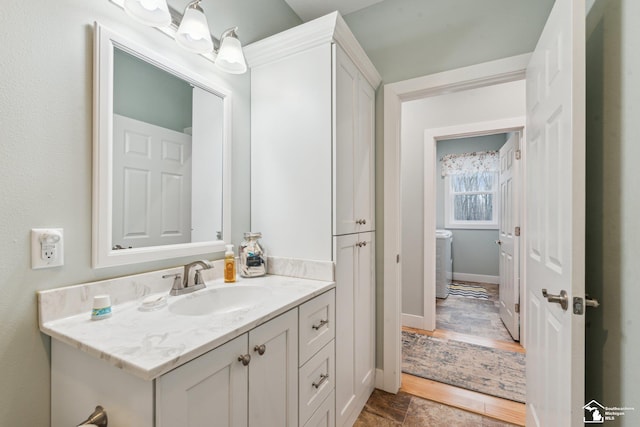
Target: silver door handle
{"points": [[562, 299]]}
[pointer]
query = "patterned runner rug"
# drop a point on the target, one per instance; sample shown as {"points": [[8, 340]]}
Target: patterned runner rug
{"points": [[486, 370], [468, 291]]}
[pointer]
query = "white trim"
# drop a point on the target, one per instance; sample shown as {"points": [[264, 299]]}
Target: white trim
{"points": [[379, 379], [431, 137], [326, 29], [500, 71], [413, 321], [105, 41], [481, 278]]}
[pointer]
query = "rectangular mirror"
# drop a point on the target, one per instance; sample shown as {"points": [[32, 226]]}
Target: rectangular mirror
{"points": [[161, 169]]}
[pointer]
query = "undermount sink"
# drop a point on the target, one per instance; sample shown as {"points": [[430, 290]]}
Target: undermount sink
{"points": [[220, 300]]}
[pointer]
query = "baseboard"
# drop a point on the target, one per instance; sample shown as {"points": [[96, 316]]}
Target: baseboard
{"points": [[379, 383], [482, 278], [413, 321]]}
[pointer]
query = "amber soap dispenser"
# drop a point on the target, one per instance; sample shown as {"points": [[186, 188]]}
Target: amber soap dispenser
{"points": [[229, 265]]}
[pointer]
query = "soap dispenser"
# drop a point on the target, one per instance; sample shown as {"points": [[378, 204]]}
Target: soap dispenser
{"points": [[229, 265]]}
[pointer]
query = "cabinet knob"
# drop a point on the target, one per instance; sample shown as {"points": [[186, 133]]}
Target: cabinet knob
{"points": [[361, 221], [260, 349], [245, 359]]}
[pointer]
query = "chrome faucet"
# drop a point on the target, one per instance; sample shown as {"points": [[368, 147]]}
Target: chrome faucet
{"points": [[182, 283]]}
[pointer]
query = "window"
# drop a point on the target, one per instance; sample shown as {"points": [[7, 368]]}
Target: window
{"points": [[471, 184]]}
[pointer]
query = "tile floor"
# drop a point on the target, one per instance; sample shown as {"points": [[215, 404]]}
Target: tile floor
{"points": [[402, 409], [472, 316], [464, 315]]}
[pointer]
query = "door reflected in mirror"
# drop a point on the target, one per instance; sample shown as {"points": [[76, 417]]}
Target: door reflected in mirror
{"points": [[167, 161], [161, 175]]}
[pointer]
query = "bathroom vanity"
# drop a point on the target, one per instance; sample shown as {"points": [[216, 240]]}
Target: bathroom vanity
{"points": [[256, 353]]}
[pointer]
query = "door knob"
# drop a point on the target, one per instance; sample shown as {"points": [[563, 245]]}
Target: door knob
{"points": [[260, 349], [562, 299], [498, 242]]}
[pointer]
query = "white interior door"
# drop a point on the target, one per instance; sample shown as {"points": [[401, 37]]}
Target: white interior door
{"points": [[509, 240], [555, 212], [151, 184]]}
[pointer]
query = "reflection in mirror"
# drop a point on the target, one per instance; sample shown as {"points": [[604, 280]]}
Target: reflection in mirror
{"points": [[161, 153], [161, 174]]}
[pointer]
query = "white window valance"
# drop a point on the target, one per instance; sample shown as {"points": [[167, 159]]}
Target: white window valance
{"points": [[469, 163]]}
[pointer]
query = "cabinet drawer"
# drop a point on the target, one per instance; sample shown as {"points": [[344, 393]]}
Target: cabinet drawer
{"points": [[316, 381], [317, 324], [325, 415]]}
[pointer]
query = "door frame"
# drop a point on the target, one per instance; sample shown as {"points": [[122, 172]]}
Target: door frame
{"points": [[475, 76], [431, 138]]}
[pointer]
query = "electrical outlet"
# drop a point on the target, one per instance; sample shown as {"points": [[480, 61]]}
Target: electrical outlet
{"points": [[47, 247]]}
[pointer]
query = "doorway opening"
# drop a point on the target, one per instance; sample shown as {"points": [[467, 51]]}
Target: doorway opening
{"points": [[471, 167]]}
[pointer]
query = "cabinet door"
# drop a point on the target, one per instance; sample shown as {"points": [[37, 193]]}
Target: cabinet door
{"points": [[209, 390], [354, 148], [364, 309], [346, 131], [364, 160], [273, 375], [346, 387]]}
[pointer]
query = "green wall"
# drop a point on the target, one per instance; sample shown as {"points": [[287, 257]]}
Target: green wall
{"points": [[147, 93], [613, 205], [411, 38], [46, 109], [474, 251]]}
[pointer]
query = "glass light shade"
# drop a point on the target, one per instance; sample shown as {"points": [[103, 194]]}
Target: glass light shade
{"points": [[230, 56], [193, 33], [149, 12]]}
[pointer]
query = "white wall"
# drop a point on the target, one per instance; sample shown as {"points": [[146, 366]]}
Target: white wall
{"points": [[476, 105]]}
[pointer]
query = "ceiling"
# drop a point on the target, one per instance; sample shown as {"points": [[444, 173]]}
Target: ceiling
{"points": [[311, 9]]}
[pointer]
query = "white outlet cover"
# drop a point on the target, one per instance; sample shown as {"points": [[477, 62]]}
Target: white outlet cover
{"points": [[37, 260]]}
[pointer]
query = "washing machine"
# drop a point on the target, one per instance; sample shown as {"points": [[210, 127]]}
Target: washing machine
{"points": [[444, 262]]}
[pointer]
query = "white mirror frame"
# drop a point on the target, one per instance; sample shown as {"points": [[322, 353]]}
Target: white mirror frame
{"points": [[105, 41]]}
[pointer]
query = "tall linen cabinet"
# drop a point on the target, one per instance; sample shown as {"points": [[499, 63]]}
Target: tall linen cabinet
{"points": [[312, 177]]}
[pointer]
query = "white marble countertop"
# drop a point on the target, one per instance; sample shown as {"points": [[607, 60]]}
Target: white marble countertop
{"points": [[150, 343]]}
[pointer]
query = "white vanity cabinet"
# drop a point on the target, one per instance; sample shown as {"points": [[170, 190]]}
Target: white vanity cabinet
{"points": [[312, 138], [254, 376], [280, 373], [312, 180]]}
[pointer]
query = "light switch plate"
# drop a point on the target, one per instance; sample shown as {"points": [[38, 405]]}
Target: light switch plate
{"points": [[47, 248]]}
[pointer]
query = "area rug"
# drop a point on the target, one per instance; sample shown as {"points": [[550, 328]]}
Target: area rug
{"points": [[486, 370], [468, 291]]}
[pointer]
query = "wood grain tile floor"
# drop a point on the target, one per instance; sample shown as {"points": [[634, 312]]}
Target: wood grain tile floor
{"points": [[423, 402]]}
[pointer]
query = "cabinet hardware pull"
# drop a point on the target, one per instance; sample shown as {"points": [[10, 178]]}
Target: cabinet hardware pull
{"points": [[361, 221], [320, 325], [260, 349], [245, 359], [359, 244], [323, 378], [364, 243]]}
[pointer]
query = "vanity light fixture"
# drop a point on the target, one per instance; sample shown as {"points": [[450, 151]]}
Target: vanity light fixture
{"points": [[149, 12], [230, 56], [193, 33], [190, 31]]}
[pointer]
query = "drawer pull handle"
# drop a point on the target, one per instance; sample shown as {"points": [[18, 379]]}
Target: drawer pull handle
{"points": [[260, 349], [245, 359], [320, 325], [323, 378]]}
